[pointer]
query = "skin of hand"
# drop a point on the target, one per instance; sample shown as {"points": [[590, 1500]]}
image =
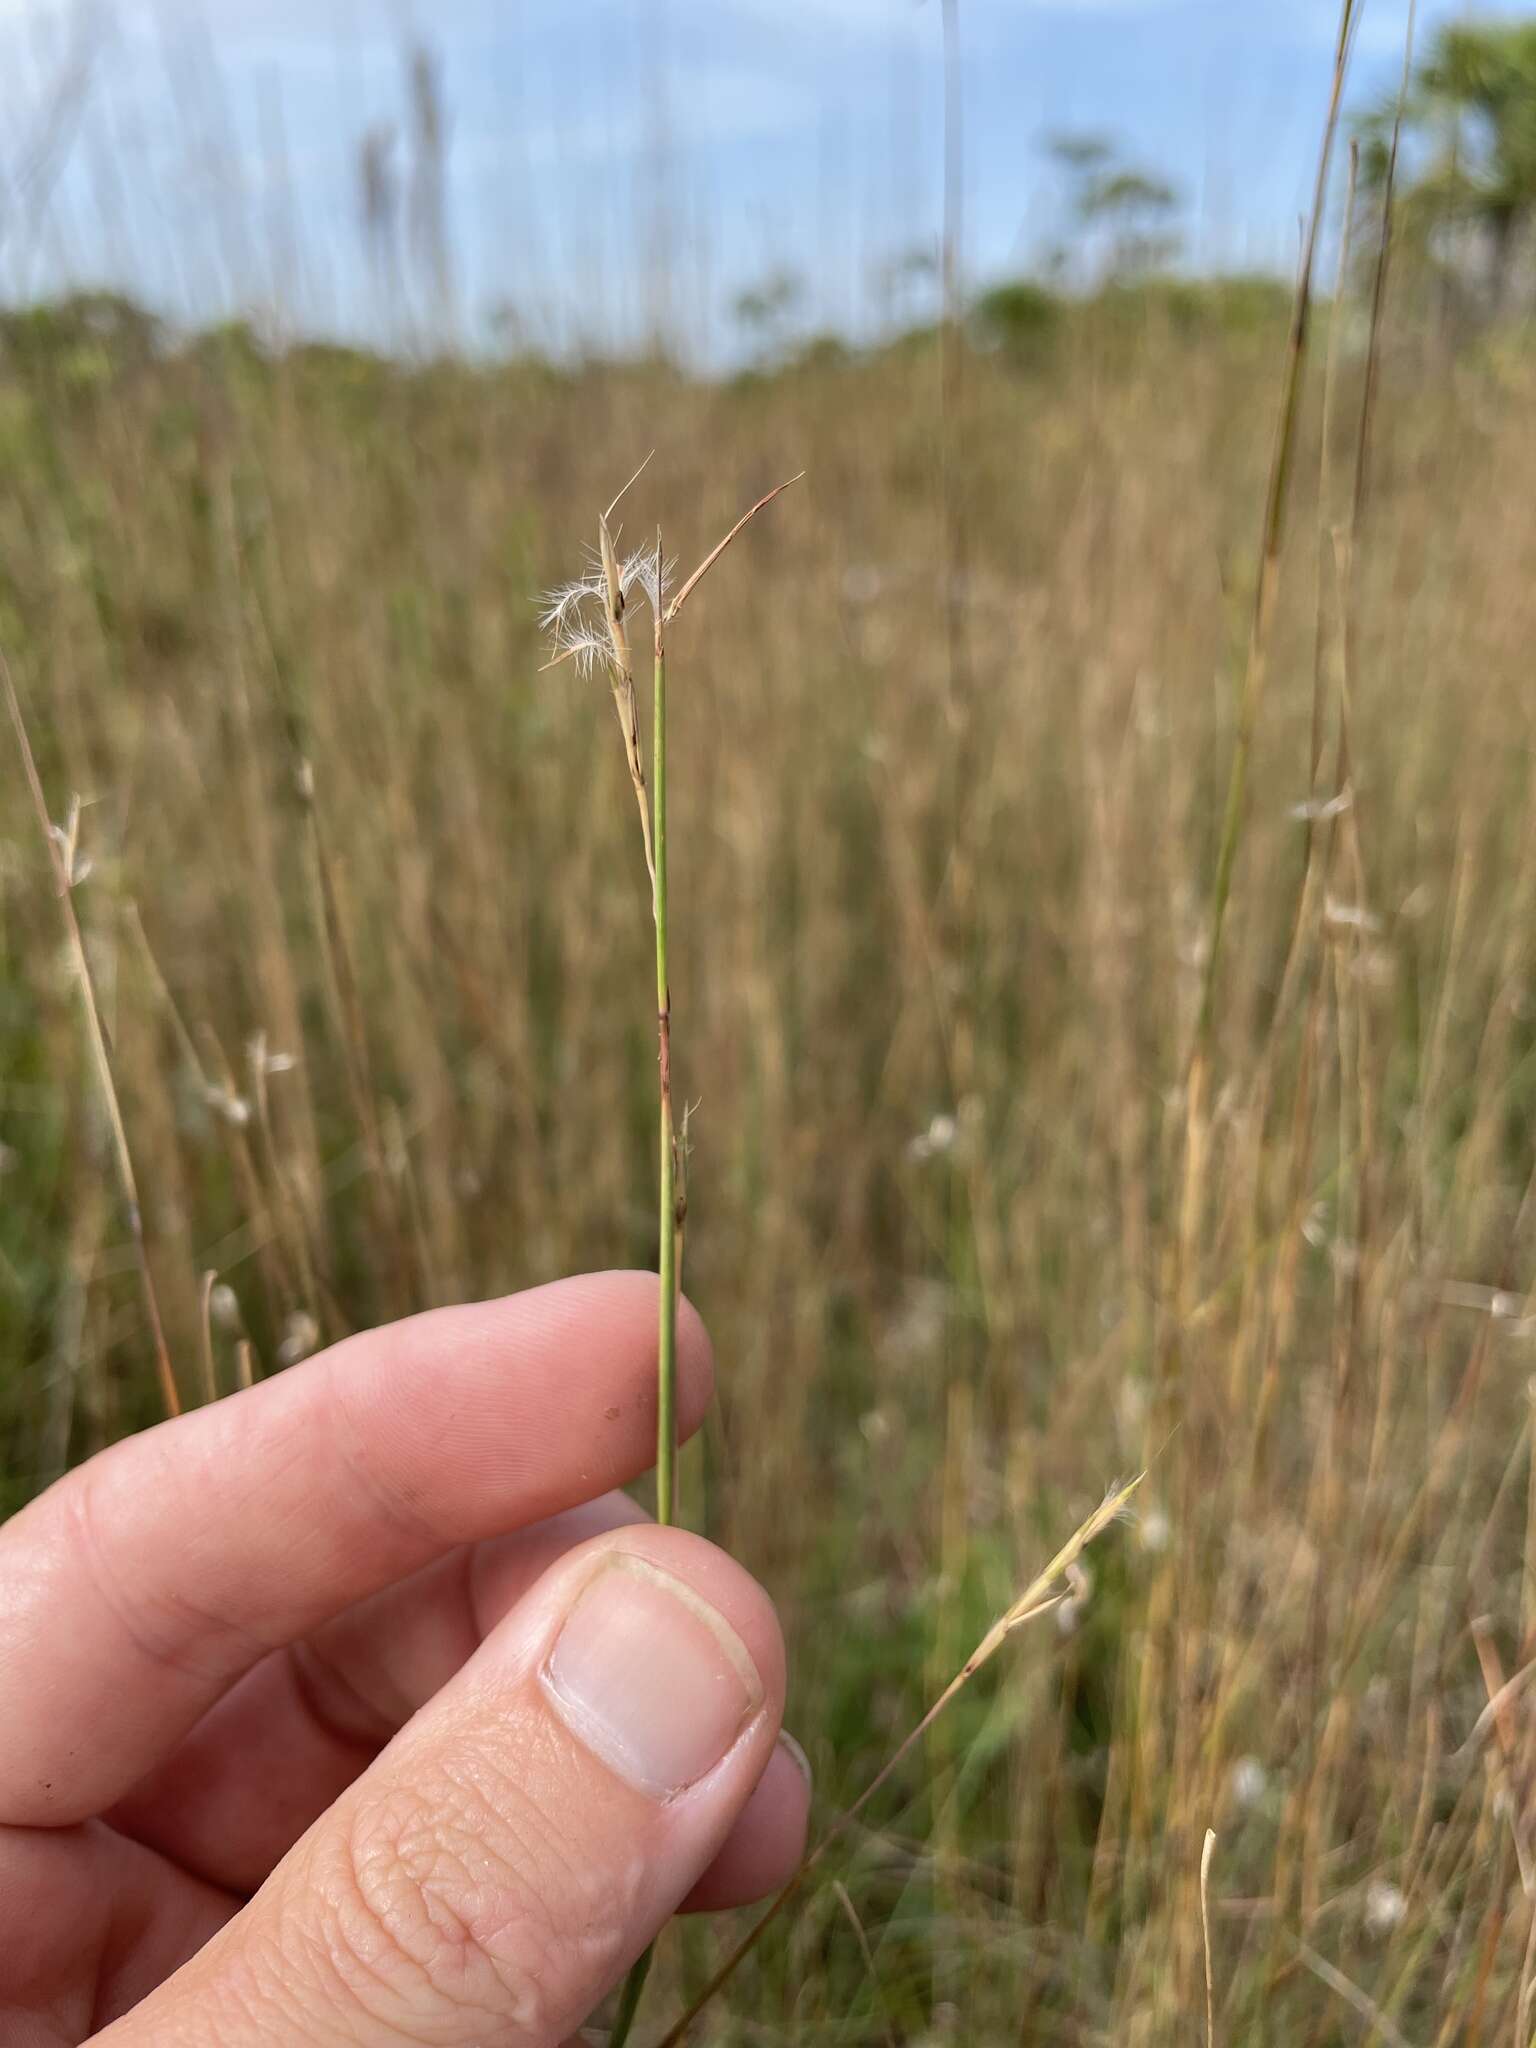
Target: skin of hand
{"points": [[359, 1710]]}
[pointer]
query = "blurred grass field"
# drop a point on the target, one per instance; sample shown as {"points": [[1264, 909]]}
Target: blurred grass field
{"points": [[369, 931]]}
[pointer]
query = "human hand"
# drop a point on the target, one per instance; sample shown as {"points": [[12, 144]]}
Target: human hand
{"points": [[356, 1709]]}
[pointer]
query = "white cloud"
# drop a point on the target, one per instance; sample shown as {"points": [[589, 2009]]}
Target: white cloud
{"points": [[920, 19], [884, 20], [725, 104]]}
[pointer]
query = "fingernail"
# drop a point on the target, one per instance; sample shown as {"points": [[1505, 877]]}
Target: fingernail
{"points": [[797, 1757], [650, 1677]]}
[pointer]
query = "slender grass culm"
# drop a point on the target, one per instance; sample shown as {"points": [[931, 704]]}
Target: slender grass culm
{"points": [[588, 623], [61, 842]]}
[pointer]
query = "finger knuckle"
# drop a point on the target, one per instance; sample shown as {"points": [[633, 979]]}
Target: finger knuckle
{"points": [[450, 1904], [164, 1627]]}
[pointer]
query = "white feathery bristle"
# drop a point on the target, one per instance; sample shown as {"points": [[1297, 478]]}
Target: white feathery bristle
{"points": [[638, 571], [560, 606]]}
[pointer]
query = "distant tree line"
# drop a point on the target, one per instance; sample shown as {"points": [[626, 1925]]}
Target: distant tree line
{"points": [[1457, 148], [1461, 140], [1464, 211]]}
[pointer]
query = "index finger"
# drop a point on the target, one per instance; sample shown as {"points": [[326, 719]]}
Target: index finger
{"points": [[135, 1591]]}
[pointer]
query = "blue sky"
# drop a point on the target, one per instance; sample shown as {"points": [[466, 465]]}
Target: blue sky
{"points": [[597, 146]]}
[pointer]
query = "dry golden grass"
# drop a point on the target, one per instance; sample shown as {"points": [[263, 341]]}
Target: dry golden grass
{"points": [[367, 927]]}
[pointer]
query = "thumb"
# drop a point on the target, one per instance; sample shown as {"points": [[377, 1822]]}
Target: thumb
{"points": [[498, 1868]]}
